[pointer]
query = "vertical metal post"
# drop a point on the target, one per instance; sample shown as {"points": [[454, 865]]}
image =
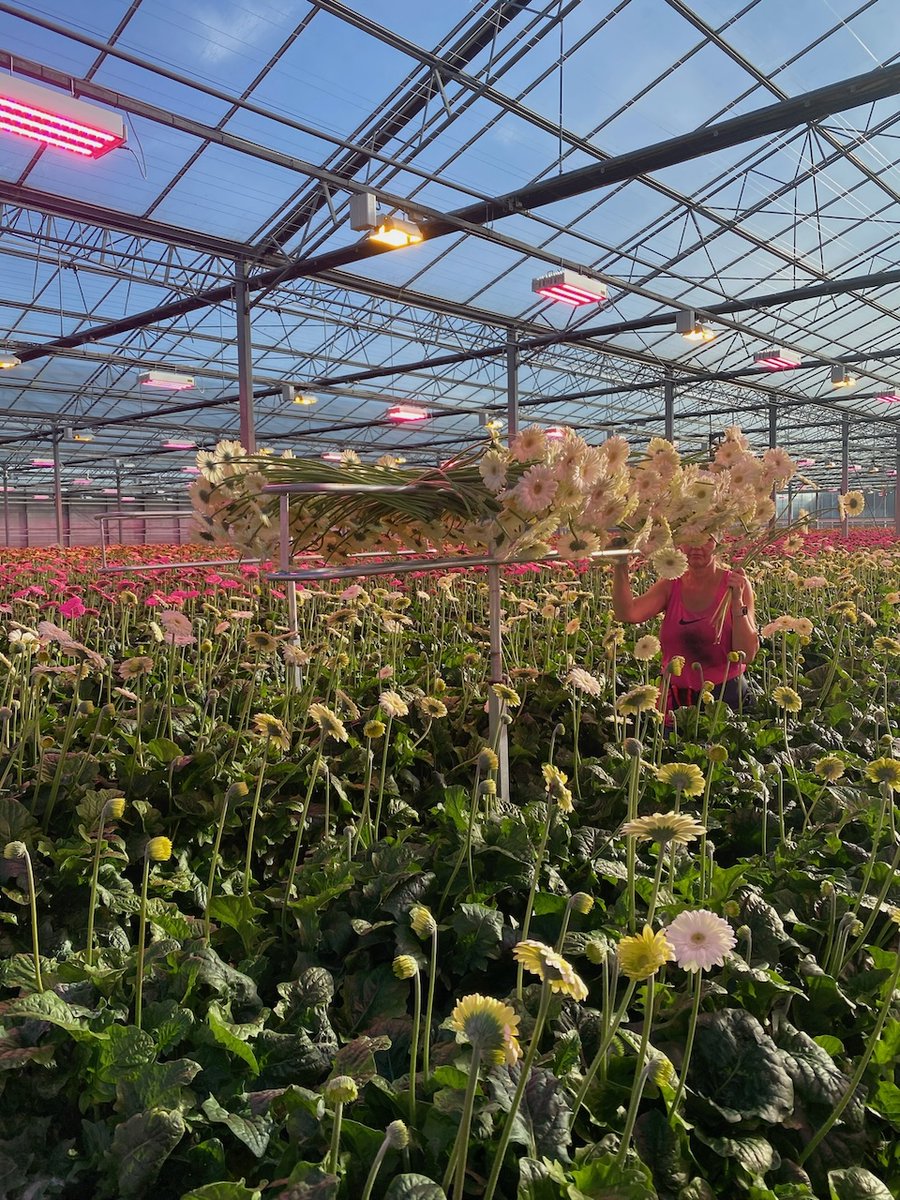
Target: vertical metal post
{"points": [[512, 385], [284, 564], [845, 464], [897, 482], [57, 492], [6, 505], [497, 728], [245, 359], [119, 497], [790, 503], [773, 425], [669, 403]]}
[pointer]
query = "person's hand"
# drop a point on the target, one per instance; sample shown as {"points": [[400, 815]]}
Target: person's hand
{"points": [[738, 584]]}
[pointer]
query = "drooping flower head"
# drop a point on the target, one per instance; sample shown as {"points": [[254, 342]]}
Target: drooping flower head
{"points": [[638, 699], [556, 782], [272, 729], [684, 777], [422, 921], [700, 939], [664, 828], [490, 1026], [507, 694], [159, 849], [885, 771], [328, 721], [829, 768], [642, 955], [550, 967]]}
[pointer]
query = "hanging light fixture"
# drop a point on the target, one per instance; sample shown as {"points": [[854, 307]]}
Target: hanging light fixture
{"points": [[888, 398], [48, 116], [396, 232], [166, 381], [175, 444], [842, 378], [777, 358], [42, 462], [405, 414], [332, 456], [691, 328], [8, 361], [291, 394], [555, 433], [569, 287]]}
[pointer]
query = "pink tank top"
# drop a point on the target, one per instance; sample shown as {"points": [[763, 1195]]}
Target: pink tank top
{"points": [[693, 636]]}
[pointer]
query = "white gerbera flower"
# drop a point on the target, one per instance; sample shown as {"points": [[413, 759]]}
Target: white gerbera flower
{"points": [[669, 563], [584, 681], [700, 940], [536, 489], [393, 704], [492, 469], [529, 445], [646, 647]]}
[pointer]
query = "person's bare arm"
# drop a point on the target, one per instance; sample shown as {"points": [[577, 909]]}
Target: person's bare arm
{"points": [[744, 637], [634, 610]]}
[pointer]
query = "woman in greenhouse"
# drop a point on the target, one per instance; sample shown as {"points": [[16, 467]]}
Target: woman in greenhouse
{"points": [[708, 624]]}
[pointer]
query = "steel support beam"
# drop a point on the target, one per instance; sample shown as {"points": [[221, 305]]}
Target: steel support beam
{"points": [[845, 464], [6, 506], [773, 425], [897, 483], [245, 359], [669, 405], [773, 118], [512, 385], [57, 493]]}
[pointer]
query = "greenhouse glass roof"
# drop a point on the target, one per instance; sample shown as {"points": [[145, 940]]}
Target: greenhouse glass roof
{"points": [[250, 126]]}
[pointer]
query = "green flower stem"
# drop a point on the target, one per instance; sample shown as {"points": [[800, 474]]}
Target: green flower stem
{"points": [[382, 778], [576, 757], [364, 816], [414, 1047], [429, 1007], [600, 1056], [32, 903], [524, 1072], [630, 845], [142, 942], [95, 876], [861, 1066], [564, 927], [873, 853], [463, 851], [456, 1167], [332, 1165], [214, 862], [254, 812], [298, 840], [641, 1078], [657, 878], [375, 1168], [63, 751], [535, 876], [704, 816], [889, 880], [697, 983]]}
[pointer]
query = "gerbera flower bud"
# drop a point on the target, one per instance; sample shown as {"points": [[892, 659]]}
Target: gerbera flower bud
{"points": [[159, 849], [422, 921], [633, 747], [717, 753], [826, 889], [676, 665], [488, 760], [397, 1135], [731, 909], [489, 787], [374, 730], [405, 966], [340, 1090], [581, 902], [597, 952], [116, 808], [13, 850], [236, 791], [660, 1070]]}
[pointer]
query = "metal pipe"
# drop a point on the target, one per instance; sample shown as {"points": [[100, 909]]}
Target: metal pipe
{"points": [[57, 493], [845, 465], [669, 403], [245, 358], [323, 574], [897, 483], [497, 730], [6, 505], [512, 385]]}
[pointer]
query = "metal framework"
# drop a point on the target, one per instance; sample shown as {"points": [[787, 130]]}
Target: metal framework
{"points": [[733, 161]]}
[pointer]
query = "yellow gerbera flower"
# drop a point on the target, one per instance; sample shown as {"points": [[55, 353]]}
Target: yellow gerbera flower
{"points": [[272, 729], [638, 699], [328, 721], [550, 967], [643, 954], [886, 771], [787, 698], [830, 768], [489, 1025], [677, 828], [684, 777]]}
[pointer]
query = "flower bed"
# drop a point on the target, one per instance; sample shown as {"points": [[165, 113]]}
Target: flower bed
{"points": [[248, 881]]}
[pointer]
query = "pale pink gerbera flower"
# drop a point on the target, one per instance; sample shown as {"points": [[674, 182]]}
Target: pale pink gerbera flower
{"points": [[536, 489], [584, 681], [700, 940]]}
